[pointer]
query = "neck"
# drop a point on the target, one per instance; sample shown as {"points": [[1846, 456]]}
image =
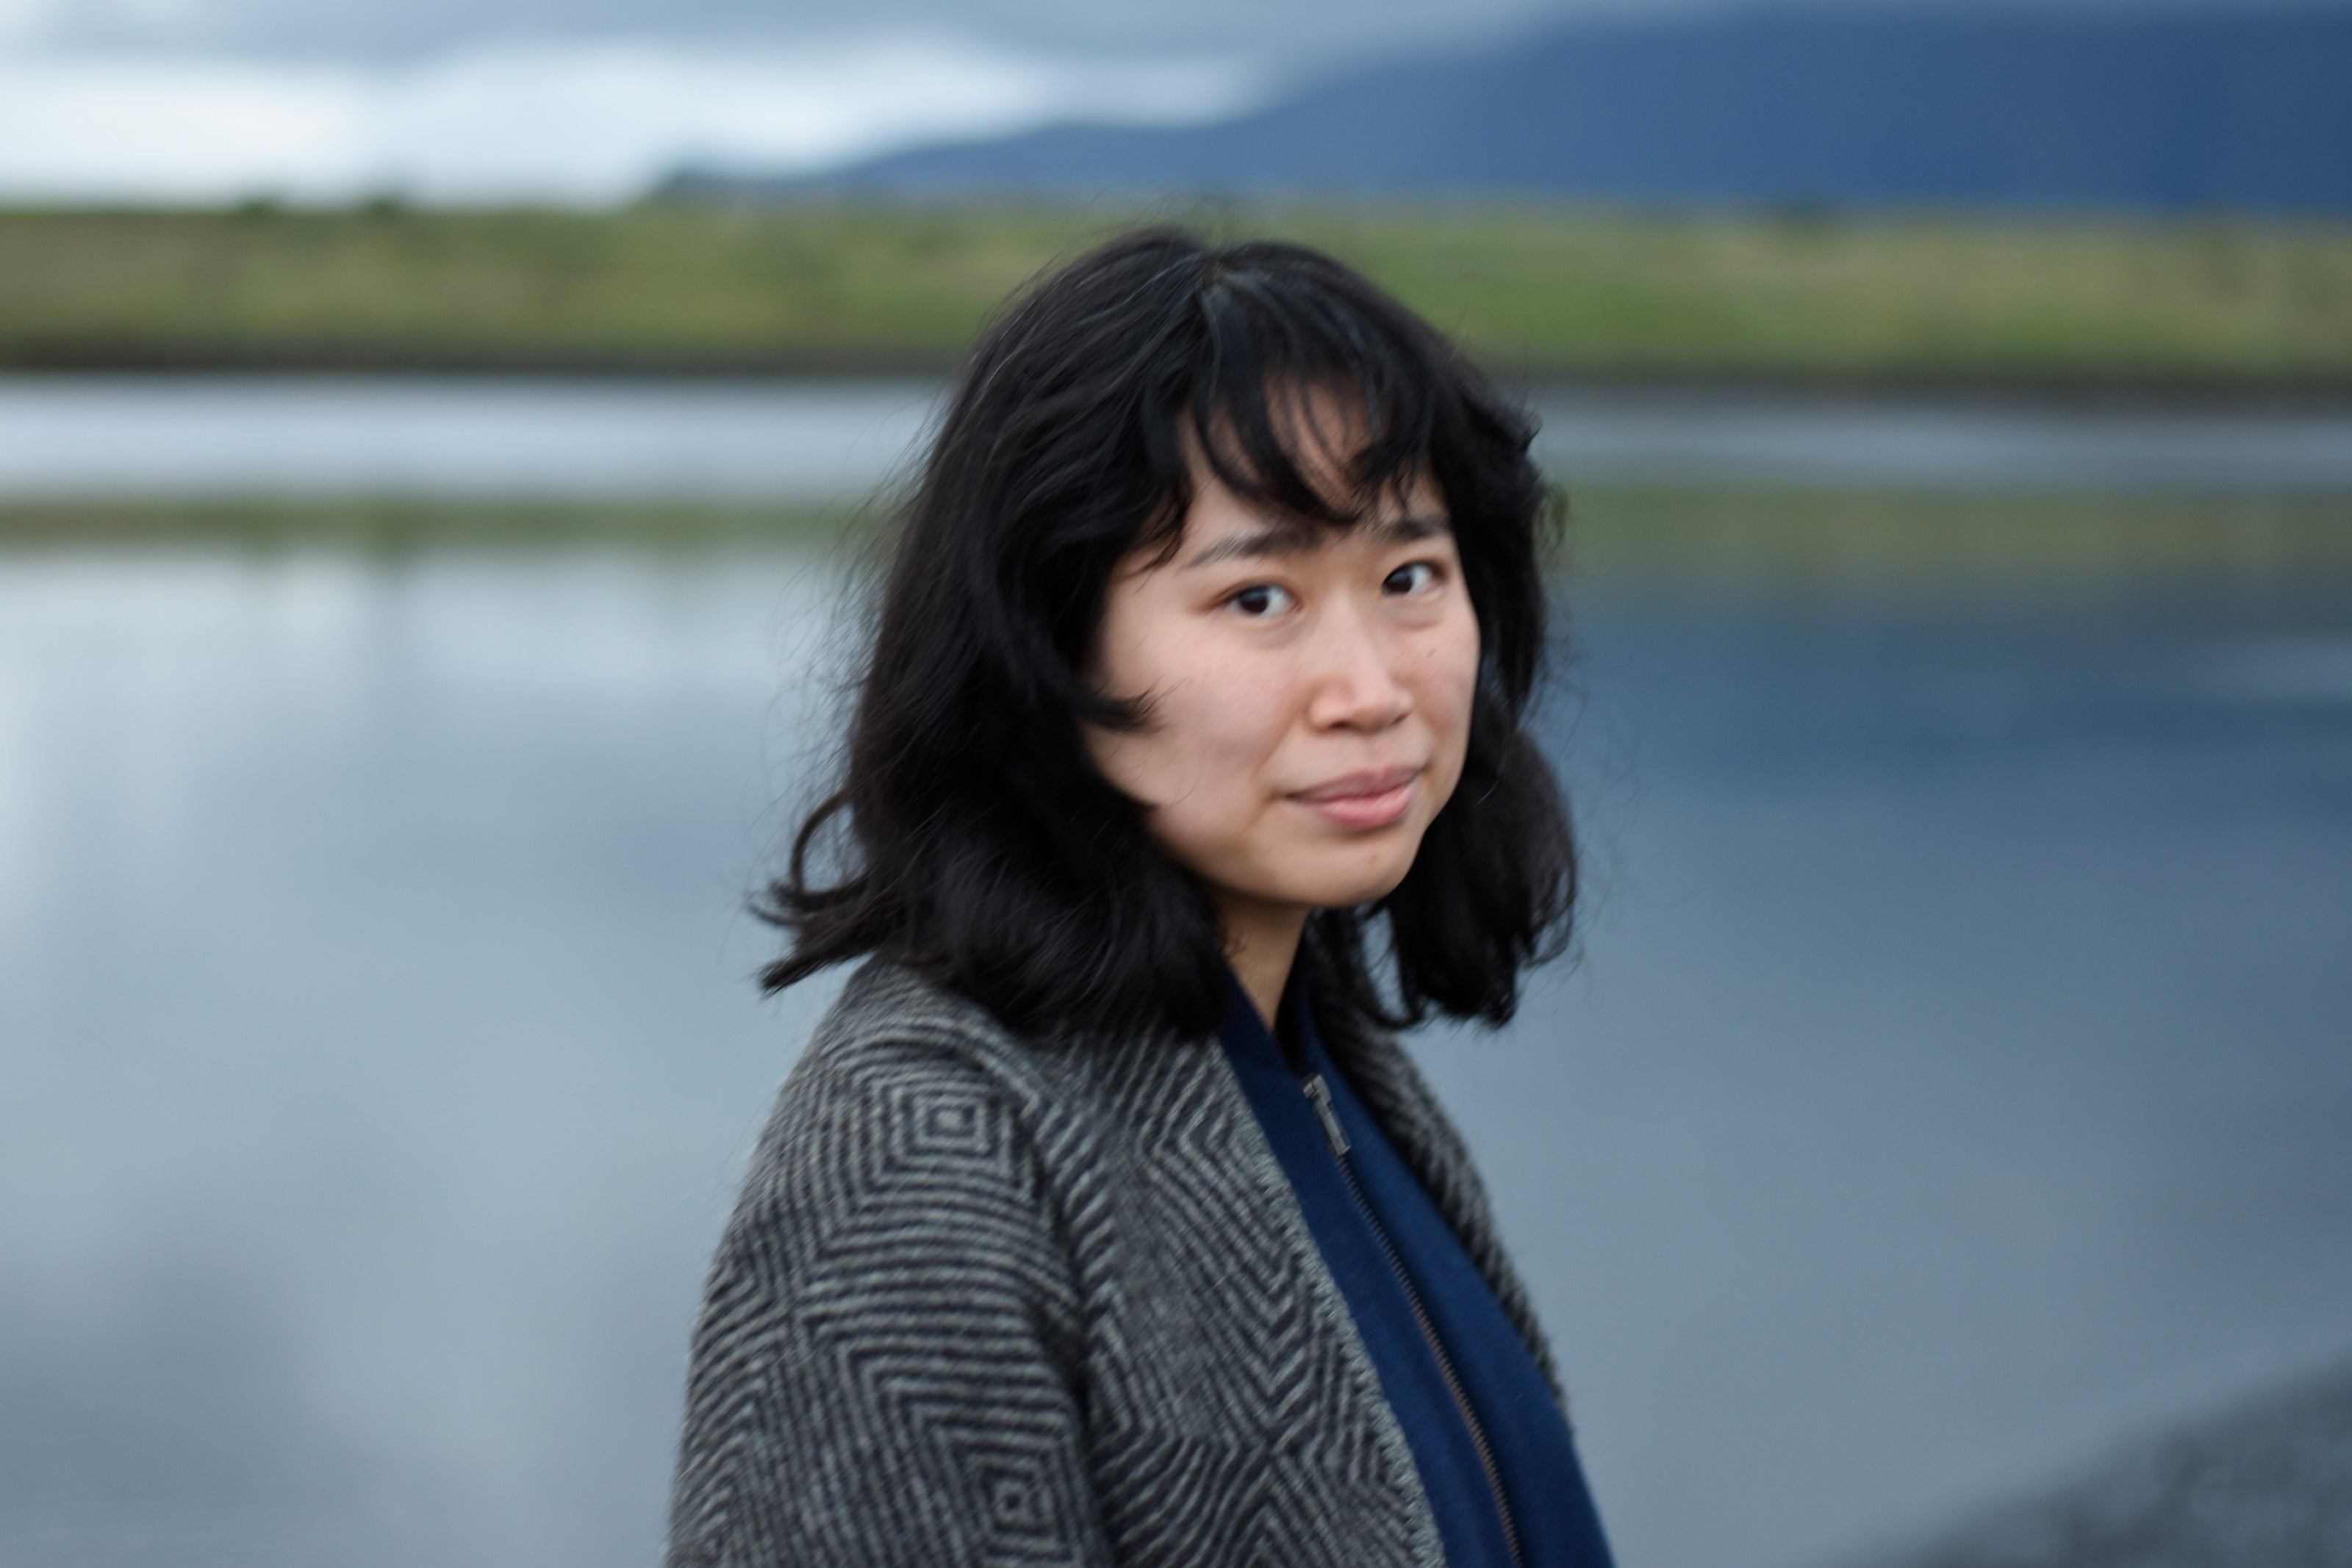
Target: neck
{"points": [[1261, 945]]}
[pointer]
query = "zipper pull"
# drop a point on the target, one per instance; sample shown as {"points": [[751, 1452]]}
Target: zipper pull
{"points": [[1318, 1094]]}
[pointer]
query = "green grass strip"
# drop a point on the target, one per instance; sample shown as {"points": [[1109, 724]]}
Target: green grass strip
{"points": [[1918, 298]]}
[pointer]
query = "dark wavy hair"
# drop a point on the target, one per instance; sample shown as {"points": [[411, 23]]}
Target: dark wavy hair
{"points": [[971, 836]]}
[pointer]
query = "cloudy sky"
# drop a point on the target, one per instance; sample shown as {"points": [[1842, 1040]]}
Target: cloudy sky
{"points": [[592, 100], [393, 31]]}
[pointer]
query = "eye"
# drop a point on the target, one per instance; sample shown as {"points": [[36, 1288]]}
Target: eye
{"points": [[1414, 577], [1262, 601]]}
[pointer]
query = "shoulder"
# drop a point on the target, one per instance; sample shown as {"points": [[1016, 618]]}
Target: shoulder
{"points": [[893, 1299], [890, 1014], [896, 1031], [909, 1096], [893, 1020], [925, 1081], [899, 1172]]}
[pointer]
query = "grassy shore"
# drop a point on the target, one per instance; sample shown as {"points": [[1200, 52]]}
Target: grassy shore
{"points": [[397, 527], [1807, 297]]}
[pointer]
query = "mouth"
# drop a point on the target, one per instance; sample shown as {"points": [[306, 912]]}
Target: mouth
{"points": [[1362, 800]]}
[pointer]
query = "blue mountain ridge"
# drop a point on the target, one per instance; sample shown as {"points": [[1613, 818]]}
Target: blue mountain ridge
{"points": [[2234, 110]]}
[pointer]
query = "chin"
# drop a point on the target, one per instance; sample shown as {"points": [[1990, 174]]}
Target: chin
{"points": [[1347, 891], [1322, 877]]}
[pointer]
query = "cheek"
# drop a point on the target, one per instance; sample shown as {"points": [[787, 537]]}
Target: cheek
{"points": [[1449, 671], [1211, 727], [1445, 685], [1212, 736]]}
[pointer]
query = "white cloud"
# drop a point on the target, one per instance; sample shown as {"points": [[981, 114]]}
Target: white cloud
{"points": [[585, 123], [169, 130]]}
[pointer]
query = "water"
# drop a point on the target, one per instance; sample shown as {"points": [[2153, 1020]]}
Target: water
{"points": [[267, 436], [1955, 1081], [1952, 1084], [273, 435]]}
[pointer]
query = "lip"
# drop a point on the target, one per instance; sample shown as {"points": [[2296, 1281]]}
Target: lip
{"points": [[1373, 799]]}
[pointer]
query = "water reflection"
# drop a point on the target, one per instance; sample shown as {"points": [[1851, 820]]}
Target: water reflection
{"points": [[1953, 1082], [377, 1041]]}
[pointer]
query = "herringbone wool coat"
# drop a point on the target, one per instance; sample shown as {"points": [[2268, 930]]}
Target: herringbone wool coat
{"points": [[985, 1300]]}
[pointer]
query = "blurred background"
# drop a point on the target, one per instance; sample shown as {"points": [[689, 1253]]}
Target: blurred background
{"points": [[436, 442]]}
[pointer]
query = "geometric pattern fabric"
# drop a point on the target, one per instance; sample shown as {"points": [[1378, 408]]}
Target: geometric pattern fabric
{"points": [[988, 1300]]}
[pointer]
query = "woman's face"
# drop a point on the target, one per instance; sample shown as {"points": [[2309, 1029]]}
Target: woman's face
{"points": [[1308, 695]]}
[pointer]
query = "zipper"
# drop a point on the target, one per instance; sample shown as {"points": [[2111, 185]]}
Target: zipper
{"points": [[1318, 1094]]}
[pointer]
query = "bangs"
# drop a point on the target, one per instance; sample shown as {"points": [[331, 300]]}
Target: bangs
{"points": [[1304, 402]]}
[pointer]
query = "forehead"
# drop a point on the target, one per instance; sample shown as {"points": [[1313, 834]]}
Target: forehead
{"points": [[1287, 472], [1326, 459], [1214, 504], [1320, 434], [1222, 527]]}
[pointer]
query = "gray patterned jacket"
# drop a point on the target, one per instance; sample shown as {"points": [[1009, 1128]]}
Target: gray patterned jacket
{"points": [[989, 1302]]}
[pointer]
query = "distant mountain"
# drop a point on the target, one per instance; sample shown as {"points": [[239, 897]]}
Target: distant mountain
{"points": [[2268, 1485], [2246, 109]]}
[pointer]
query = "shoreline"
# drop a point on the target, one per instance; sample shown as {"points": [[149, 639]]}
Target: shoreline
{"points": [[1887, 545], [2090, 388]]}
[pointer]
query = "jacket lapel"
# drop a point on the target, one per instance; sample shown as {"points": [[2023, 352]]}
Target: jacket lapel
{"points": [[1393, 1090]]}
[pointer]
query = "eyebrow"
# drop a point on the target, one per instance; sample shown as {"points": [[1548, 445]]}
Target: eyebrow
{"points": [[1300, 539]]}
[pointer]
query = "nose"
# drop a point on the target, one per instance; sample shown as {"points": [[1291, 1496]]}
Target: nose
{"points": [[1353, 672]]}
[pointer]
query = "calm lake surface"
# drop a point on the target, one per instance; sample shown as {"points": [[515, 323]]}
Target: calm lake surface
{"points": [[1952, 1082]]}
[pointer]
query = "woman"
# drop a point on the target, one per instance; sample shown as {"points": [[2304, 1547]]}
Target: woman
{"points": [[1100, 1221]]}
